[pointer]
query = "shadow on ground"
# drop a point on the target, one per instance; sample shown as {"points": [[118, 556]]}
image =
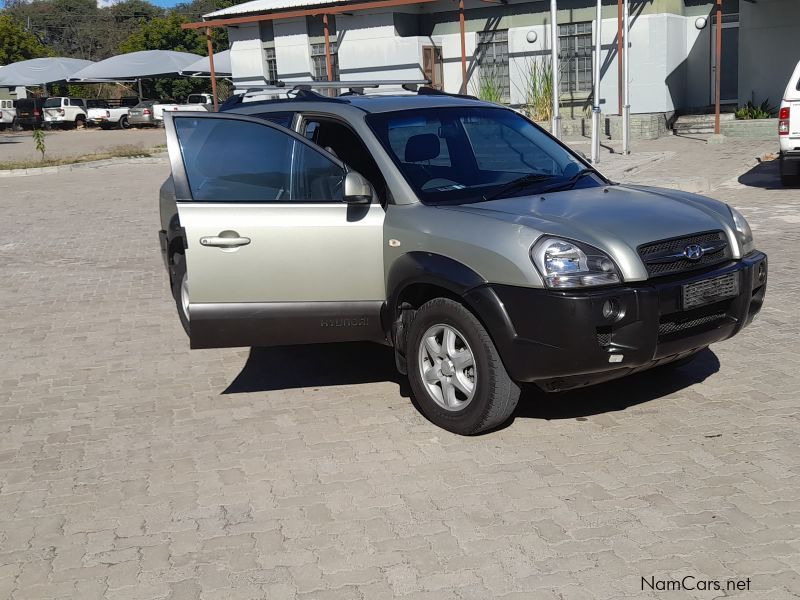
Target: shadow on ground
{"points": [[764, 175], [319, 365], [618, 394], [287, 367]]}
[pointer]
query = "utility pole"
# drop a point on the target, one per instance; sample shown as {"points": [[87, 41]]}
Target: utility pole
{"points": [[596, 107], [626, 107], [555, 66]]}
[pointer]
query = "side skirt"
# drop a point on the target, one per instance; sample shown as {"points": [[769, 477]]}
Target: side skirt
{"points": [[226, 325]]}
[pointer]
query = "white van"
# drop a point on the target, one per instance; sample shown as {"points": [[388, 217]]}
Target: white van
{"points": [[789, 131], [8, 114]]}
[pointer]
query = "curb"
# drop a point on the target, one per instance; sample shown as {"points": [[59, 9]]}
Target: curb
{"points": [[159, 158]]}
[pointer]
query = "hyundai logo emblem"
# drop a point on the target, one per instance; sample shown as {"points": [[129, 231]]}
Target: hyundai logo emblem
{"points": [[693, 252]]}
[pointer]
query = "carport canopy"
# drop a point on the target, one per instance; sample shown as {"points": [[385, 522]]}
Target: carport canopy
{"points": [[202, 67], [41, 71], [137, 65]]}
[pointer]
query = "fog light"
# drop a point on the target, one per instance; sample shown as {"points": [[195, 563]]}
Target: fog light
{"points": [[612, 310], [762, 272]]}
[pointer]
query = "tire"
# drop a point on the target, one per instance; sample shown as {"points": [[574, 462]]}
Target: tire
{"points": [[180, 289], [80, 122], [470, 399], [123, 122]]}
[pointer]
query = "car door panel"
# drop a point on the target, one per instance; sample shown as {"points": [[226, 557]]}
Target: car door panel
{"points": [[268, 262]]}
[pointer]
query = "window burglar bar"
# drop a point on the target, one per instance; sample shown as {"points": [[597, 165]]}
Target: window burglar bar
{"points": [[575, 57], [320, 72], [272, 64], [493, 63]]}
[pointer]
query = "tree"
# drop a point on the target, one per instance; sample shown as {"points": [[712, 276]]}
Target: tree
{"points": [[165, 33], [17, 44]]}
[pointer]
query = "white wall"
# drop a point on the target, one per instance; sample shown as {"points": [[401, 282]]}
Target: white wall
{"points": [[769, 48], [247, 62], [669, 57]]}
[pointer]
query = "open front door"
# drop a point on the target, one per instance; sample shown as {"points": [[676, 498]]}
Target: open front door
{"points": [[274, 256]]}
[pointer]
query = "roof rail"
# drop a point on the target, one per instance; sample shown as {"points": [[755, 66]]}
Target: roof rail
{"points": [[429, 91]]}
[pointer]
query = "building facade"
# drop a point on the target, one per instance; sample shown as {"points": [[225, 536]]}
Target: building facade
{"points": [[672, 54]]}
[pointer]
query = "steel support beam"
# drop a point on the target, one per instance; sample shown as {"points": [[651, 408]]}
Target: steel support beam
{"points": [[328, 59], [211, 69], [718, 67], [626, 107], [556, 68], [463, 46], [596, 107]]}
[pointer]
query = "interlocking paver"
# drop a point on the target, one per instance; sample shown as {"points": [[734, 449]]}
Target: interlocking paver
{"points": [[131, 467]]}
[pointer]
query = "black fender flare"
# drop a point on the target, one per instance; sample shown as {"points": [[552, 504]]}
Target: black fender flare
{"points": [[455, 277]]}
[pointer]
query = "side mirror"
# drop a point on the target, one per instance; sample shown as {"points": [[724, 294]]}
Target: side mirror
{"points": [[357, 190]]}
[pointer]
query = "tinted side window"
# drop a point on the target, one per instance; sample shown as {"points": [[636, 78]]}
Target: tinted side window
{"points": [[284, 119], [240, 161]]}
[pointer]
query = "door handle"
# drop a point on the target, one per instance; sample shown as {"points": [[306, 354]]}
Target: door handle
{"points": [[219, 241]]}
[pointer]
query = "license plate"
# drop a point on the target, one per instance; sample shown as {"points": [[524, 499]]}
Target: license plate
{"points": [[712, 290]]}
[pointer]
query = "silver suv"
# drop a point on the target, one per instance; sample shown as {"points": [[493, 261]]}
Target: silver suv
{"points": [[483, 250]]}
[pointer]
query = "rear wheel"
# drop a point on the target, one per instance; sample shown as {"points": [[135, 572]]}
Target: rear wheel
{"points": [[123, 122], [80, 122], [180, 289], [455, 370]]}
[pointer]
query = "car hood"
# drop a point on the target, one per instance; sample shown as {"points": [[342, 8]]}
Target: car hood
{"points": [[616, 218]]}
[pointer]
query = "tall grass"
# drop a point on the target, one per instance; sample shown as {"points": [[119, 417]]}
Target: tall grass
{"points": [[490, 86], [537, 88]]}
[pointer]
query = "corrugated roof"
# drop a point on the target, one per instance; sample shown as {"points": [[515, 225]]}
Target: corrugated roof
{"points": [[257, 6]]}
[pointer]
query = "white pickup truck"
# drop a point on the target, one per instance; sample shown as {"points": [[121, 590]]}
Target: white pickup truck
{"points": [[66, 112], [194, 102], [101, 114], [8, 114], [789, 131]]}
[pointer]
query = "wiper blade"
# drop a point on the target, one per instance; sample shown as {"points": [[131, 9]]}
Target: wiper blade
{"points": [[572, 181], [517, 183]]}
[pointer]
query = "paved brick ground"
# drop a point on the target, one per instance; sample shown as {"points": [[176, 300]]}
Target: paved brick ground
{"points": [[131, 467]]}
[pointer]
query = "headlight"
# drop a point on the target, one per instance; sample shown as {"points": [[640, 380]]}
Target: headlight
{"points": [[568, 264], [743, 232]]}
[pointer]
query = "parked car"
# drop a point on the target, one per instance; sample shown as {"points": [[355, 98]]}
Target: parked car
{"points": [[483, 250], [194, 102], [8, 114], [789, 131], [30, 112], [142, 114], [65, 112], [100, 113]]}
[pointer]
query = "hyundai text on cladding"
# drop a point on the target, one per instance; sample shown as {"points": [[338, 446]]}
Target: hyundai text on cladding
{"points": [[690, 582]]}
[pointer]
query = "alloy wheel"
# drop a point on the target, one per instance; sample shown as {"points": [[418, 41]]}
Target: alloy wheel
{"points": [[447, 366]]}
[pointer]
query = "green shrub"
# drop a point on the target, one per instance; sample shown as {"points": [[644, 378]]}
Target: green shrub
{"points": [[751, 111], [490, 87], [537, 87]]}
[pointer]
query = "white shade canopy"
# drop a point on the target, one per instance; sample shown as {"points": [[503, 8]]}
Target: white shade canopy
{"points": [[137, 65], [222, 66], [38, 71]]}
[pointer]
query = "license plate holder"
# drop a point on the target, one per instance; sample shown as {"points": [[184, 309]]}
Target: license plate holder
{"points": [[708, 291]]}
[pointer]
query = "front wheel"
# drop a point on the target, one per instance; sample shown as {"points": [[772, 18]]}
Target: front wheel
{"points": [[455, 371]]}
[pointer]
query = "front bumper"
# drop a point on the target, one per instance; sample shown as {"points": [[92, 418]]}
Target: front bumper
{"points": [[562, 340]]}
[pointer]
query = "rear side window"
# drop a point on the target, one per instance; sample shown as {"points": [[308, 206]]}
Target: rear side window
{"points": [[241, 161], [284, 119]]}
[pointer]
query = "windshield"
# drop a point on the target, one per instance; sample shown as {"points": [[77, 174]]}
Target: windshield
{"points": [[96, 104], [196, 99], [145, 104], [52, 103], [469, 154]]}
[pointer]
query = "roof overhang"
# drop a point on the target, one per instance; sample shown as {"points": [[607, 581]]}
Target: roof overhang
{"points": [[318, 10]]}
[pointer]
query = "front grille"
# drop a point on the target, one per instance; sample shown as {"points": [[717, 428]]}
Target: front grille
{"points": [[689, 322], [665, 257]]}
